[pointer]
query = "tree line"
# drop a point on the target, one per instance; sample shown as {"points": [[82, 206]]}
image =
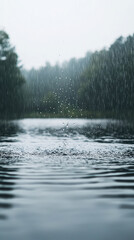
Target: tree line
{"points": [[54, 89], [11, 79], [102, 81], [108, 82]]}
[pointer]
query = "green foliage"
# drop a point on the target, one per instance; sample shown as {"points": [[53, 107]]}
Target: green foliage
{"points": [[50, 103], [54, 88], [100, 83], [11, 79], [108, 82]]}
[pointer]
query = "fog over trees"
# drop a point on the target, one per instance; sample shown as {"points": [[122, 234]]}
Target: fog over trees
{"points": [[54, 89], [11, 79], [102, 82]]}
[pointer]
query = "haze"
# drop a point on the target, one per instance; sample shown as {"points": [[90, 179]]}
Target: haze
{"points": [[54, 31]]}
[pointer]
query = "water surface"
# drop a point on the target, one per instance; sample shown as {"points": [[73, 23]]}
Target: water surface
{"points": [[66, 179]]}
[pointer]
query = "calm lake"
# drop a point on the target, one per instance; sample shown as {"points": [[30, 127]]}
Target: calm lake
{"points": [[66, 179]]}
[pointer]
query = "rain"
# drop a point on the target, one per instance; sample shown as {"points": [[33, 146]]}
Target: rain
{"points": [[66, 120]]}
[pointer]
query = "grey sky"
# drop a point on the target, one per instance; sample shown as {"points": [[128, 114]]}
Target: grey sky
{"points": [[56, 30]]}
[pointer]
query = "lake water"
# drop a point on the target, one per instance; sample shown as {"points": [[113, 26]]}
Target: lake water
{"points": [[66, 179]]}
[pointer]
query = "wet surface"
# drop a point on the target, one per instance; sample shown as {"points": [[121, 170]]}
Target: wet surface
{"points": [[66, 179]]}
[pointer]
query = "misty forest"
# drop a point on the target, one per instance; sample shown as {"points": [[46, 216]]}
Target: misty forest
{"points": [[99, 84], [67, 145]]}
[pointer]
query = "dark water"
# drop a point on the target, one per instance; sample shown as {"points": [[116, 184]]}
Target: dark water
{"points": [[66, 179]]}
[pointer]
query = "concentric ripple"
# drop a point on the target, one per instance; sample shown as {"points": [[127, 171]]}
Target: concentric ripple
{"points": [[66, 179]]}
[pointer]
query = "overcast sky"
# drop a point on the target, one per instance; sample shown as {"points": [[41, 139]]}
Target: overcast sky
{"points": [[56, 30]]}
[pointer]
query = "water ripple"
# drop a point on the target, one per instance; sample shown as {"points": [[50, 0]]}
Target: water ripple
{"points": [[66, 175]]}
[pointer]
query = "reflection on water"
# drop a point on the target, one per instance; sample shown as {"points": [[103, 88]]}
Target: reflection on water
{"points": [[9, 128], [7, 182], [66, 179]]}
